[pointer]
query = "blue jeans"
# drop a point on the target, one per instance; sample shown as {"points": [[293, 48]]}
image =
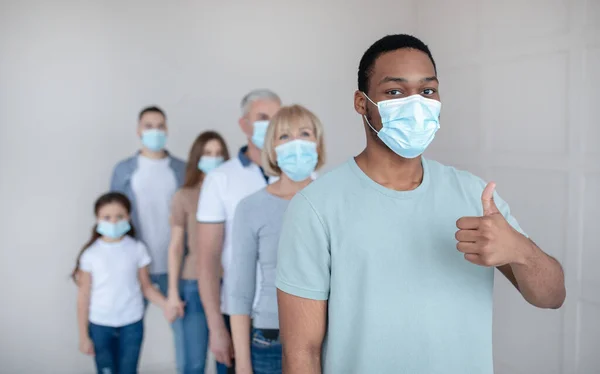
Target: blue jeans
{"points": [[191, 330], [265, 352], [117, 349], [162, 281]]}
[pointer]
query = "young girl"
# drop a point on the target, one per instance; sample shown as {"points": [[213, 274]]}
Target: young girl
{"points": [[293, 150], [112, 276], [191, 331]]}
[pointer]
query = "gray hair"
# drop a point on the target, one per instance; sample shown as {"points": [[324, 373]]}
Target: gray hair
{"points": [[255, 95]]}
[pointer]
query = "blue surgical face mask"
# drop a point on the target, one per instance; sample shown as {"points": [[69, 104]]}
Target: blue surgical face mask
{"points": [[154, 139], [409, 124], [258, 133], [297, 159], [113, 230], [208, 163]]}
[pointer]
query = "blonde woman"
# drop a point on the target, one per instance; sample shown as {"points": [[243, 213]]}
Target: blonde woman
{"points": [[293, 150]]}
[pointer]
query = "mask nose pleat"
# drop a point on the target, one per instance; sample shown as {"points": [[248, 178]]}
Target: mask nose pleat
{"points": [[297, 158], [409, 124]]}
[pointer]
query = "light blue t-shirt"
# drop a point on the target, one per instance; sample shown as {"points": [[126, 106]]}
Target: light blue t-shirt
{"points": [[401, 298]]}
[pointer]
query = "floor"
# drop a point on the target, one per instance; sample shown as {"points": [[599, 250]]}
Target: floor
{"points": [[210, 368]]}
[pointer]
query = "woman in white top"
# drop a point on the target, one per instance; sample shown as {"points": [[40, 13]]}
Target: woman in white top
{"points": [[293, 149], [112, 276]]}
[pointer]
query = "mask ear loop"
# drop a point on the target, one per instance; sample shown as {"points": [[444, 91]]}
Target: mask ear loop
{"points": [[365, 117]]}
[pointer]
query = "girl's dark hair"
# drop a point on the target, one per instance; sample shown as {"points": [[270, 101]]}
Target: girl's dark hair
{"points": [[107, 198], [193, 176]]}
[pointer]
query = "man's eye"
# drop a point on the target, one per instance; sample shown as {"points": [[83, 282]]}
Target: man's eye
{"points": [[394, 92], [428, 91]]}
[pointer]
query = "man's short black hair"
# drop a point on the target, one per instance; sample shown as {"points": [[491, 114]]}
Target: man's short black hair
{"points": [[387, 44], [152, 109]]}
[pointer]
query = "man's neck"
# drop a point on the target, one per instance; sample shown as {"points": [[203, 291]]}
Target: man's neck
{"points": [[153, 155], [253, 154], [385, 167]]}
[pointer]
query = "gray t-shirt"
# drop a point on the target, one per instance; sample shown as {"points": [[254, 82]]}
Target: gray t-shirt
{"points": [[255, 238], [401, 297]]}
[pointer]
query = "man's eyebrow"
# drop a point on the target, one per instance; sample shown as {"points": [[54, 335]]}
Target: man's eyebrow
{"points": [[404, 80], [393, 79]]}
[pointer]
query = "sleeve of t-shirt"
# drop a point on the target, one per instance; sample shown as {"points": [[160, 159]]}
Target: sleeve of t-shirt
{"points": [[143, 256], [303, 259], [85, 262], [211, 208], [177, 210], [240, 285], [504, 209], [117, 178]]}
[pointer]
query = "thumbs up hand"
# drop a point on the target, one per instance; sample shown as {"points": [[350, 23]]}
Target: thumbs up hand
{"points": [[489, 240]]}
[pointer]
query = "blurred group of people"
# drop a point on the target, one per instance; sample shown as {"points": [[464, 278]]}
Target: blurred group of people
{"points": [[383, 265]]}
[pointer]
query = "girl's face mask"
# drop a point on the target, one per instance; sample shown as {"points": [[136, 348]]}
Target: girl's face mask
{"points": [[113, 230]]}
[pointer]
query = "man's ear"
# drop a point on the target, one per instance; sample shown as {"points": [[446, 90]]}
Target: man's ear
{"points": [[360, 103], [245, 125]]}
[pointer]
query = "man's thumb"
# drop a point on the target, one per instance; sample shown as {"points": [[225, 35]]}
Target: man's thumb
{"points": [[487, 200]]}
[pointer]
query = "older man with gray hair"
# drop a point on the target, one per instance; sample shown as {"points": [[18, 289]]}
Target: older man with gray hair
{"points": [[221, 191]]}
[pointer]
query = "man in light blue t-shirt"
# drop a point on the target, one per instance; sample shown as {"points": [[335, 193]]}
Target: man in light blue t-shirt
{"points": [[386, 264]]}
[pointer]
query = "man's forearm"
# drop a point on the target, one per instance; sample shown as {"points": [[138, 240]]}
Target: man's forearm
{"points": [[301, 361], [210, 291], [540, 277]]}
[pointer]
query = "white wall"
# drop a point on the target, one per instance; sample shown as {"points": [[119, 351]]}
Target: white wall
{"points": [[520, 87], [73, 76], [519, 95]]}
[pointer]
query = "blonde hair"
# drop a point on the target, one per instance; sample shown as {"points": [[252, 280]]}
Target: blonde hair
{"points": [[288, 117]]}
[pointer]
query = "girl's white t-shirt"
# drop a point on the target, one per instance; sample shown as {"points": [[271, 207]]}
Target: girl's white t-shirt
{"points": [[116, 298]]}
